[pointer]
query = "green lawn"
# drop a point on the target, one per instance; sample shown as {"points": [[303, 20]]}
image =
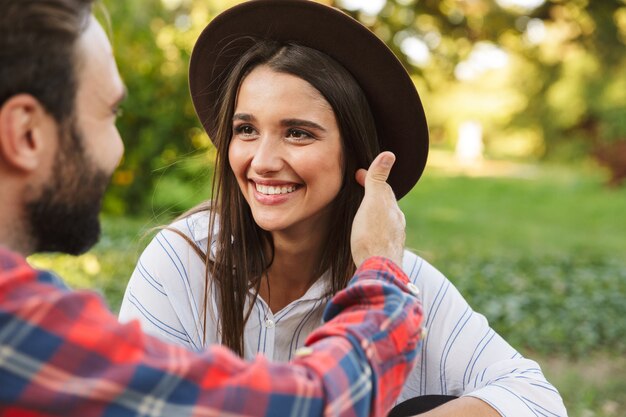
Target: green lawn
{"points": [[544, 259], [534, 210], [542, 255]]}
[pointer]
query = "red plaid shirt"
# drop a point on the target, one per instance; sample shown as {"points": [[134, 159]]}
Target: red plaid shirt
{"points": [[62, 353]]}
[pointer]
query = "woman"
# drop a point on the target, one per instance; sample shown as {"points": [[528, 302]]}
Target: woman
{"points": [[296, 97]]}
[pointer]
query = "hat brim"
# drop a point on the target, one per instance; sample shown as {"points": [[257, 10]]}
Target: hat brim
{"points": [[394, 102]]}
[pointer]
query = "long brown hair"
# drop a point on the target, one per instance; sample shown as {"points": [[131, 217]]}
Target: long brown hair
{"points": [[240, 260]]}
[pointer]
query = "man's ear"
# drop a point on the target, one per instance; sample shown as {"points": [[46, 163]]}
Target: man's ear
{"points": [[25, 130]]}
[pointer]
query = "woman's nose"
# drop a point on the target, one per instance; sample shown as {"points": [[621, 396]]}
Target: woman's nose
{"points": [[267, 156]]}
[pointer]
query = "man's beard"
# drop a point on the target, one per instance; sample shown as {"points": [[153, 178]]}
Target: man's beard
{"points": [[65, 215]]}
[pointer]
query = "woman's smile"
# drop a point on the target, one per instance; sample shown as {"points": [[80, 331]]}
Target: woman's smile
{"points": [[273, 194]]}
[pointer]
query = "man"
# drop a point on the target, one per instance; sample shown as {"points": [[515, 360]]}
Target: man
{"points": [[63, 353]]}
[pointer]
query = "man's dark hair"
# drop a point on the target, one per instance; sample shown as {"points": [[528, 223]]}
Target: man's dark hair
{"points": [[37, 51]]}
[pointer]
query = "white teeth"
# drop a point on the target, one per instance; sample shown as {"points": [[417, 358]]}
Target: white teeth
{"points": [[271, 190]]}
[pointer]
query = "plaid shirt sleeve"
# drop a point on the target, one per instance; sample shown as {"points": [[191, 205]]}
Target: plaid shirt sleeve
{"points": [[63, 353]]}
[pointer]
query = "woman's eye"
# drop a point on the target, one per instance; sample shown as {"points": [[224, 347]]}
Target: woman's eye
{"points": [[244, 130], [298, 134]]}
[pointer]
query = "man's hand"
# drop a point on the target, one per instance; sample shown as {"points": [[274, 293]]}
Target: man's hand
{"points": [[379, 225]]}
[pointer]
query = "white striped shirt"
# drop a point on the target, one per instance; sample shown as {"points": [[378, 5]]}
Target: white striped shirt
{"points": [[461, 354]]}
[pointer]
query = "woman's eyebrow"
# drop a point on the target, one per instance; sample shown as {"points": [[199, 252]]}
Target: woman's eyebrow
{"points": [[245, 117], [302, 123]]}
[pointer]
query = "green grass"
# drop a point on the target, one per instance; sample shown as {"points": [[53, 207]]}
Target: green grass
{"points": [[590, 387], [496, 216], [543, 258]]}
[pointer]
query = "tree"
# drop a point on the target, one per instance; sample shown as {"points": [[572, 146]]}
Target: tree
{"points": [[563, 90], [569, 56], [167, 163]]}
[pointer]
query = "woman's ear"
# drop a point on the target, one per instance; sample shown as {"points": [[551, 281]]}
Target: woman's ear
{"points": [[27, 133]]}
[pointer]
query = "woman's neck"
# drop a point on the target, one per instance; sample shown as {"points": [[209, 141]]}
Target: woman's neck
{"points": [[294, 269]]}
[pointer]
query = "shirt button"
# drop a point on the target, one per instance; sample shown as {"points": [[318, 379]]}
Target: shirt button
{"points": [[413, 288], [269, 324]]}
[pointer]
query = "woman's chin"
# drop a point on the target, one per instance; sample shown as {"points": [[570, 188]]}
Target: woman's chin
{"points": [[270, 224]]}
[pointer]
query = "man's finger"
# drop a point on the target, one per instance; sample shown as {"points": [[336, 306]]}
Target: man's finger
{"points": [[360, 176]]}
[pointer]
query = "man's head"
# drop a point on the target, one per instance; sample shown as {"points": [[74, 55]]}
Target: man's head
{"points": [[59, 93]]}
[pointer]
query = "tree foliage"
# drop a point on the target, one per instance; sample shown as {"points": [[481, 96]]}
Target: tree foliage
{"points": [[568, 63], [166, 166], [561, 94]]}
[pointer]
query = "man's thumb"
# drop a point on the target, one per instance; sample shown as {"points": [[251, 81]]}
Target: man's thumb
{"points": [[380, 168]]}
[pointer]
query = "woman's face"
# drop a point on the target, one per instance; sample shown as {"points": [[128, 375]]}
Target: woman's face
{"points": [[285, 152]]}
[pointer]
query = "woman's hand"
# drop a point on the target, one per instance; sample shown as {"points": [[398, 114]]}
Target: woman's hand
{"points": [[379, 225]]}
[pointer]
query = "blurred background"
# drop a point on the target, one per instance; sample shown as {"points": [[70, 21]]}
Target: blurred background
{"points": [[522, 203]]}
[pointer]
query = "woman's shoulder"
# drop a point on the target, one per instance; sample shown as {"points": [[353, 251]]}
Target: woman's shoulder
{"points": [[185, 233], [194, 226], [178, 248], [420, 271]]}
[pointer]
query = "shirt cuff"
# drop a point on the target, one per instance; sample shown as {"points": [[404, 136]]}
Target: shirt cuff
{"points": [[383, 264]]}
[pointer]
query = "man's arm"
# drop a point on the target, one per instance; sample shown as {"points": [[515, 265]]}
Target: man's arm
{"points": [[62, 353]]}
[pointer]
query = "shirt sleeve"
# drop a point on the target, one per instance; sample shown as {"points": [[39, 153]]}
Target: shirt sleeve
{"points": [[462, 355], [62, 353]]}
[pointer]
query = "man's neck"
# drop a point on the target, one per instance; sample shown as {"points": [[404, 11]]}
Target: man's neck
{"points": [[13, 235], [15, 244]]}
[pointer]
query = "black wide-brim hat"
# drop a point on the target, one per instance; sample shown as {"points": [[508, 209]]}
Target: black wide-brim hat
{"points": [[399, 116]]}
